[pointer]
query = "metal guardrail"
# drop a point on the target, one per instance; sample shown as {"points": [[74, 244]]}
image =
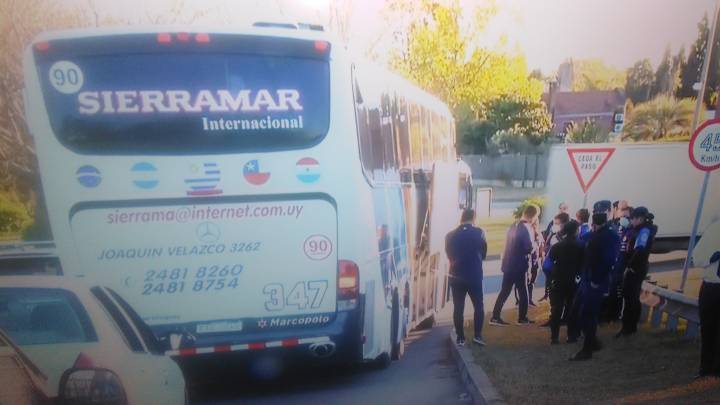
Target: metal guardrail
{"points": [[658, 300]]}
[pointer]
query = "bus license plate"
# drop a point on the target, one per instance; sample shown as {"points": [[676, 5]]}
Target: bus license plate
{"points": [[224, 326]]}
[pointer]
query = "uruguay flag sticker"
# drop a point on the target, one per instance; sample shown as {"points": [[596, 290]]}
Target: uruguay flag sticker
{"points": [[307, 170]]}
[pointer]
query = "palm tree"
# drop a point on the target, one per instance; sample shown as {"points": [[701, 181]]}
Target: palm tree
{"points": [[586, 132], [661, 117]]}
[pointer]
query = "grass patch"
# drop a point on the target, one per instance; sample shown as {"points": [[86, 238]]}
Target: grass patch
{"points": [[495, 231], [652, 367]]}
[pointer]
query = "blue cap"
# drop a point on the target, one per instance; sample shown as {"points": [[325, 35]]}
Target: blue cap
{"points": [[602, 206]]}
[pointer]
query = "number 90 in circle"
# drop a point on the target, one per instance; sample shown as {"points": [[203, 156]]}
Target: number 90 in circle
{"points": [[317, 247], [66, 77]]}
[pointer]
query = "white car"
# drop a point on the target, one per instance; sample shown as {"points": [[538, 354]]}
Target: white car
{"points": [[88, 341]]}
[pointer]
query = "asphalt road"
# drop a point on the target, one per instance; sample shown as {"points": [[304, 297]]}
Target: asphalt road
{"points": [[426, 375]]}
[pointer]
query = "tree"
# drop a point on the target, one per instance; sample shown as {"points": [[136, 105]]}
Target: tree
{"points": [[639, 81], [661, 118], [586, 132], [439, 56], [594, 74], [691, 71], [664, 82], [515, 117]]}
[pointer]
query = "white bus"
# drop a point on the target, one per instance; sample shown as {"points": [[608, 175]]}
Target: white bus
{"points": [[251, 191]]}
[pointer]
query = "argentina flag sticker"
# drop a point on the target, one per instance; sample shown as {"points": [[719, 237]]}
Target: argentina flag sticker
{"points": [[145, 175], [307, 170]]}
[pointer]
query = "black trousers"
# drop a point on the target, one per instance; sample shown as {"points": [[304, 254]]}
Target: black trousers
{"points": [[591, 300], [632, 286], [709, 307], [561, 301], [459, 290], [510, 280]]}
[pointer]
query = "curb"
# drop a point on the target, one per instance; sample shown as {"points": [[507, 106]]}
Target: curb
{"points": [[472, 375]]}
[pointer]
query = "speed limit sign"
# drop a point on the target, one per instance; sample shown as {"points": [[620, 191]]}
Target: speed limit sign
{"points": [[704, 148]]}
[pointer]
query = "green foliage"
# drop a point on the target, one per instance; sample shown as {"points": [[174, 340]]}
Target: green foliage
{"points": [[594, 74], [639, 81], [661, 118], [441, 57], [689, 72], [586, 132], [511, 124], [538, 201], [14, 217]]}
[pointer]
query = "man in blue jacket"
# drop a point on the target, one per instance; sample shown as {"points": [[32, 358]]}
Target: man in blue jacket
{"points": [[466, 249], [515, 264]]}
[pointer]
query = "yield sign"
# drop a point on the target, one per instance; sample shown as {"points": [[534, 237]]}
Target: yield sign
{"points": [[588, 162]]}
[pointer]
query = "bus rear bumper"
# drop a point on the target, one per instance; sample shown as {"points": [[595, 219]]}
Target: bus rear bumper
{"points": [[338, 342]]}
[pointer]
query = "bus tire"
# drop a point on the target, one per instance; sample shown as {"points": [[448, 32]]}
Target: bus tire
{"points": [[427, 323], [397, 341], [382, 361]]}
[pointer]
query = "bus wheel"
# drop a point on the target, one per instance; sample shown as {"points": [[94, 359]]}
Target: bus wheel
{"points": [[382, 361], [397, 341]]}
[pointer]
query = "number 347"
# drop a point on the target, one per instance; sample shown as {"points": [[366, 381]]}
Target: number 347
{"points": [[302, 295]]}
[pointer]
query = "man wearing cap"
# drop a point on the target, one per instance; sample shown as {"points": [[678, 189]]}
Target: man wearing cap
{"points": [[640, 241], [599, 259]]}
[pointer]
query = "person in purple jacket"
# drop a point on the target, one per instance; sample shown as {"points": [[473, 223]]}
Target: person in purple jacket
{"points": [[515, 265]]}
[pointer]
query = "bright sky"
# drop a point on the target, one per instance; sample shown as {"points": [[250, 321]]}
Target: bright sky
{"points": [[547, 32]]}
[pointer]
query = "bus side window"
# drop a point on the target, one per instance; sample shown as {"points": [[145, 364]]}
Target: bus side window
{"points": [[426, 139], [415, 137], [388, 138], [363, 130]]}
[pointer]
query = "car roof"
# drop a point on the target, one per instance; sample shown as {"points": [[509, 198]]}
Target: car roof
{"points": [[74, 284]]}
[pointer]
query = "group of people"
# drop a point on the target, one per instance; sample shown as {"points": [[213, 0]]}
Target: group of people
{"points": [[594, 266]]}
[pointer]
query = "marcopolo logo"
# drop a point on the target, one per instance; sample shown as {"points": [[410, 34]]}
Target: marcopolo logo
{"points": [[88, 176], [144, 175], [295, 321]]}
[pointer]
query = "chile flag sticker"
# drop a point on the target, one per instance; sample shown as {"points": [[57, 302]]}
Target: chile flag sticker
{"points": [[253, 175], [307, 170]]}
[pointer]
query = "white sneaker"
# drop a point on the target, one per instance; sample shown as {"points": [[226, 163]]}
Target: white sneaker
{"points": [[478, 341]]}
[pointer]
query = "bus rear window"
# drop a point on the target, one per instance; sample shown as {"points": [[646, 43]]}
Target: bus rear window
{"points": [[187, 103]]}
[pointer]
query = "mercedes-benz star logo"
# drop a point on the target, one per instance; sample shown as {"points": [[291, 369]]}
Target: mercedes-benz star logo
{"points": [[208, 232]]}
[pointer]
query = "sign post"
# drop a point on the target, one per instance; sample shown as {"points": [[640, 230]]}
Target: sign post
{"points": [[587, 163], [704, 151]]}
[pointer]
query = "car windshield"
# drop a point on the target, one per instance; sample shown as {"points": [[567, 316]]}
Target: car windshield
{"points": [[33, 316]]}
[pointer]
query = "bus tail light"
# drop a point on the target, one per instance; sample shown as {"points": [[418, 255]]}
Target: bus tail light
{"points": [[322, 46], [86, 384], [183, 36], [348, 284]]}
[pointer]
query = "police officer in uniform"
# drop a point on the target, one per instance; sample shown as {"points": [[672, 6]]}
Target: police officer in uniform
{"points": [[640, 241], [562, 264], [599, 259]]}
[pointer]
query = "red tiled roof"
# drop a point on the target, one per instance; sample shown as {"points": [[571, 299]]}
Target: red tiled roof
{"points": [[586, 102]]}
